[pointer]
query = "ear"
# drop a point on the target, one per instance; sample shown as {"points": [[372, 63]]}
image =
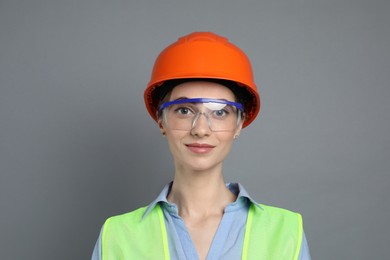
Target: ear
{"points": [[239, 127], [161, 126], [238, 131]]}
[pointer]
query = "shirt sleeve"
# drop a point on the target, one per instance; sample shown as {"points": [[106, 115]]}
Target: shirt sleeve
{"points": [[304, 254], [97, 250]]}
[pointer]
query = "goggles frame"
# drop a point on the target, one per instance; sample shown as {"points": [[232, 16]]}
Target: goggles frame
{"points": [[238, 106]]}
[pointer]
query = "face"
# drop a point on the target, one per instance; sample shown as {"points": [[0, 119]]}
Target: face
{"points": [[199, 149]]}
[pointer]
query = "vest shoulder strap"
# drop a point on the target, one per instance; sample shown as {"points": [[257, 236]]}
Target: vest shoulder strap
{"points": [[131, 236], [272, 233]]}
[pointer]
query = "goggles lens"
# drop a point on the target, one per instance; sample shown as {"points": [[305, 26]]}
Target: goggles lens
{"points": [[183, 114]]}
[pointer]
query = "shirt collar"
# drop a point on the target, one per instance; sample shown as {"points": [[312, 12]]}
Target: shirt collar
{"points": [[241, 192], [162, 197], [236, 188]]}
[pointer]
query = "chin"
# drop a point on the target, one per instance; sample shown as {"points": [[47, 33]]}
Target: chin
{"points": [[200, 165]]}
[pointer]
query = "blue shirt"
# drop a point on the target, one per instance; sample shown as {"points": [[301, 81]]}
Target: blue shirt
{"points": [[228, 239]]}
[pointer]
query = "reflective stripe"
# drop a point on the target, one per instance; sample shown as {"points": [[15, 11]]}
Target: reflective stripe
{"points": [[300, 237], [247, 233], [163, 232]]}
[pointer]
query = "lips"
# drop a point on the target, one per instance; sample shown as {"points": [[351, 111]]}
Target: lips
{"points": [[200, 148]]}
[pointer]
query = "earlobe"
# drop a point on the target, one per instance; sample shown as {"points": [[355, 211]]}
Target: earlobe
{"points": [[162, 131]]}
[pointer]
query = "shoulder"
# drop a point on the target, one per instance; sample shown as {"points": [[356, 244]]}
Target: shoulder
{"points": [[276, 214], [129, 217], [277, 210]]}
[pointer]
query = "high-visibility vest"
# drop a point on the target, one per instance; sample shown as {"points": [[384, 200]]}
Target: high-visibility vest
{"points": [[271, 233]]}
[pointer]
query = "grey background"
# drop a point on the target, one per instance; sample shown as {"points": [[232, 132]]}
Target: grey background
{"points": [[77, 145]]}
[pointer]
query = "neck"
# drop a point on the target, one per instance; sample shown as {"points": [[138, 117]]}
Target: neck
{"points": [[199, 194]]}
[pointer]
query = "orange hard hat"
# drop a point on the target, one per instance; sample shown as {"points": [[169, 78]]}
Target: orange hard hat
{"points": [[204, 55]]}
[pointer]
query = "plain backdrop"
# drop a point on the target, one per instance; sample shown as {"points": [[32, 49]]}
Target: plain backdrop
{"points": [[77, 145]]}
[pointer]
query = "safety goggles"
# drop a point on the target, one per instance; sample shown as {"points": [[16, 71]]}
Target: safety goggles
{"points": [[183, 114]]}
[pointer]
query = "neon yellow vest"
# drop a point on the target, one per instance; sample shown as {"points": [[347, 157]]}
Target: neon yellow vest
{"points": [[271, 233]]}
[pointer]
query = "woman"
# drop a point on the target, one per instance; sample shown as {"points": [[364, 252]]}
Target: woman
{"points": [[202, 94]]}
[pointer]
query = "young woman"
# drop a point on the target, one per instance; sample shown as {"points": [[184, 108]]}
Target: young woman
{"points": [[202, 94]]}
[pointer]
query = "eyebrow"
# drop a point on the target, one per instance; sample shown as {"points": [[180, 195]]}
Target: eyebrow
{"points": [[180, 98]]}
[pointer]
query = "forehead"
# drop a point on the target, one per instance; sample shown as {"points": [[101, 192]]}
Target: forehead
{"points": [[202, 89]]}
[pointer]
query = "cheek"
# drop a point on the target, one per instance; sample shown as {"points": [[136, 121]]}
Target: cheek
{"points": [[226, 140], [226, 136], [174, 140]]}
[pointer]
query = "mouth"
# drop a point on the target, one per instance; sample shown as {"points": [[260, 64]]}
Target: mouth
{"points": [[200, 148]]}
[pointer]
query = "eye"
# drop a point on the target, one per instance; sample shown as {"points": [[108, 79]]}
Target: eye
{"points": [[220, 113], [183, 111]]}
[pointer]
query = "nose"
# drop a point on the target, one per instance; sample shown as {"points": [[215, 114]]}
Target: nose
{"points": [[201, 125]]}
